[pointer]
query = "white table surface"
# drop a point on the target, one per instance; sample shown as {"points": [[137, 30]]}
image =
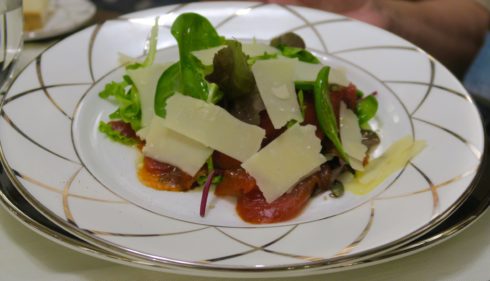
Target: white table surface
{"points": [[25, 255]]}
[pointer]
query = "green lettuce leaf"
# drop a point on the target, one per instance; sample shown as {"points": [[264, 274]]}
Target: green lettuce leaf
{"points": [[115, 135], [125, 95], [152, 50]]}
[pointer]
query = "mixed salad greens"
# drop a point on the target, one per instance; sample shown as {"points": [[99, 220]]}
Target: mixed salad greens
{"points": [[224, 75]]}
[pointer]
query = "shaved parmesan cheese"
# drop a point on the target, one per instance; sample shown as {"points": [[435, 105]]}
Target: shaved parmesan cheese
{"points": [[304, 71], [258, 49], [379, 169], [286, 160], [356, 164], [143, 132], [282, 92], [168, 146], [350, 134], [206, 56], [126, 59], [338, 76], [146, 80], [276, 87], [213, 126]]}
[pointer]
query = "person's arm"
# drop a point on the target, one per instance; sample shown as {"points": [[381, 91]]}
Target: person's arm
{"points": [[450, 30]]}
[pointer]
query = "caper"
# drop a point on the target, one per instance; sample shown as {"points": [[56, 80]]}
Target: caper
{"points": [[337, 189]]}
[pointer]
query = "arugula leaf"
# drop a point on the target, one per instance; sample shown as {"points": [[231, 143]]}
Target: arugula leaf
{"points": [[127, 100], [115, 135], [171, 82], [325, 113], [168, 84], [301, 54], [193, 32], [192, 80], [366, 109]]}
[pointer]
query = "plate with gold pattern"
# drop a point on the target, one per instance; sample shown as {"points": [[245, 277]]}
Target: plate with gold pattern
{"points": [[58, 17], [87, 185]]}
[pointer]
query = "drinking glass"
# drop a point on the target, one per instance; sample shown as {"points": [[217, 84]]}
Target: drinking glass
{"points": [[11, 32]]}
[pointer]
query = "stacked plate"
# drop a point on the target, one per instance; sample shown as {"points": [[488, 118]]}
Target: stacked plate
{"points": [[66, 181], [64, 16]]}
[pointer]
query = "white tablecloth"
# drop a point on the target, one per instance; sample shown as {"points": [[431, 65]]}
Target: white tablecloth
{"points": [[25, 255]]}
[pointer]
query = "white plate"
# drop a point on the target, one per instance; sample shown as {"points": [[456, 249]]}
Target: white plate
{"points": [[65, 16], [87, 185]]}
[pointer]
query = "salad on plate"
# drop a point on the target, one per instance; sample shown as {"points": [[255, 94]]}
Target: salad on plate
{"points": [[266, 124]]}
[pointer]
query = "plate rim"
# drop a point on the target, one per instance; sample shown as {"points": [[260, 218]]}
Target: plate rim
{"points": [[81, 246]]}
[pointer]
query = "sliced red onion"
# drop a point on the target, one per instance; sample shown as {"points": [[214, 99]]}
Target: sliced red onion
{"points": [[205, 192]]}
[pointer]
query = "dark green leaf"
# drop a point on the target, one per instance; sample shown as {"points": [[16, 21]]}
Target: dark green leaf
{"points": [[232, 72], [366, 109], [304, 85], [289, 39], [193, 32], [301, 54], [324, 111], [193, 82], [168, 84]]}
